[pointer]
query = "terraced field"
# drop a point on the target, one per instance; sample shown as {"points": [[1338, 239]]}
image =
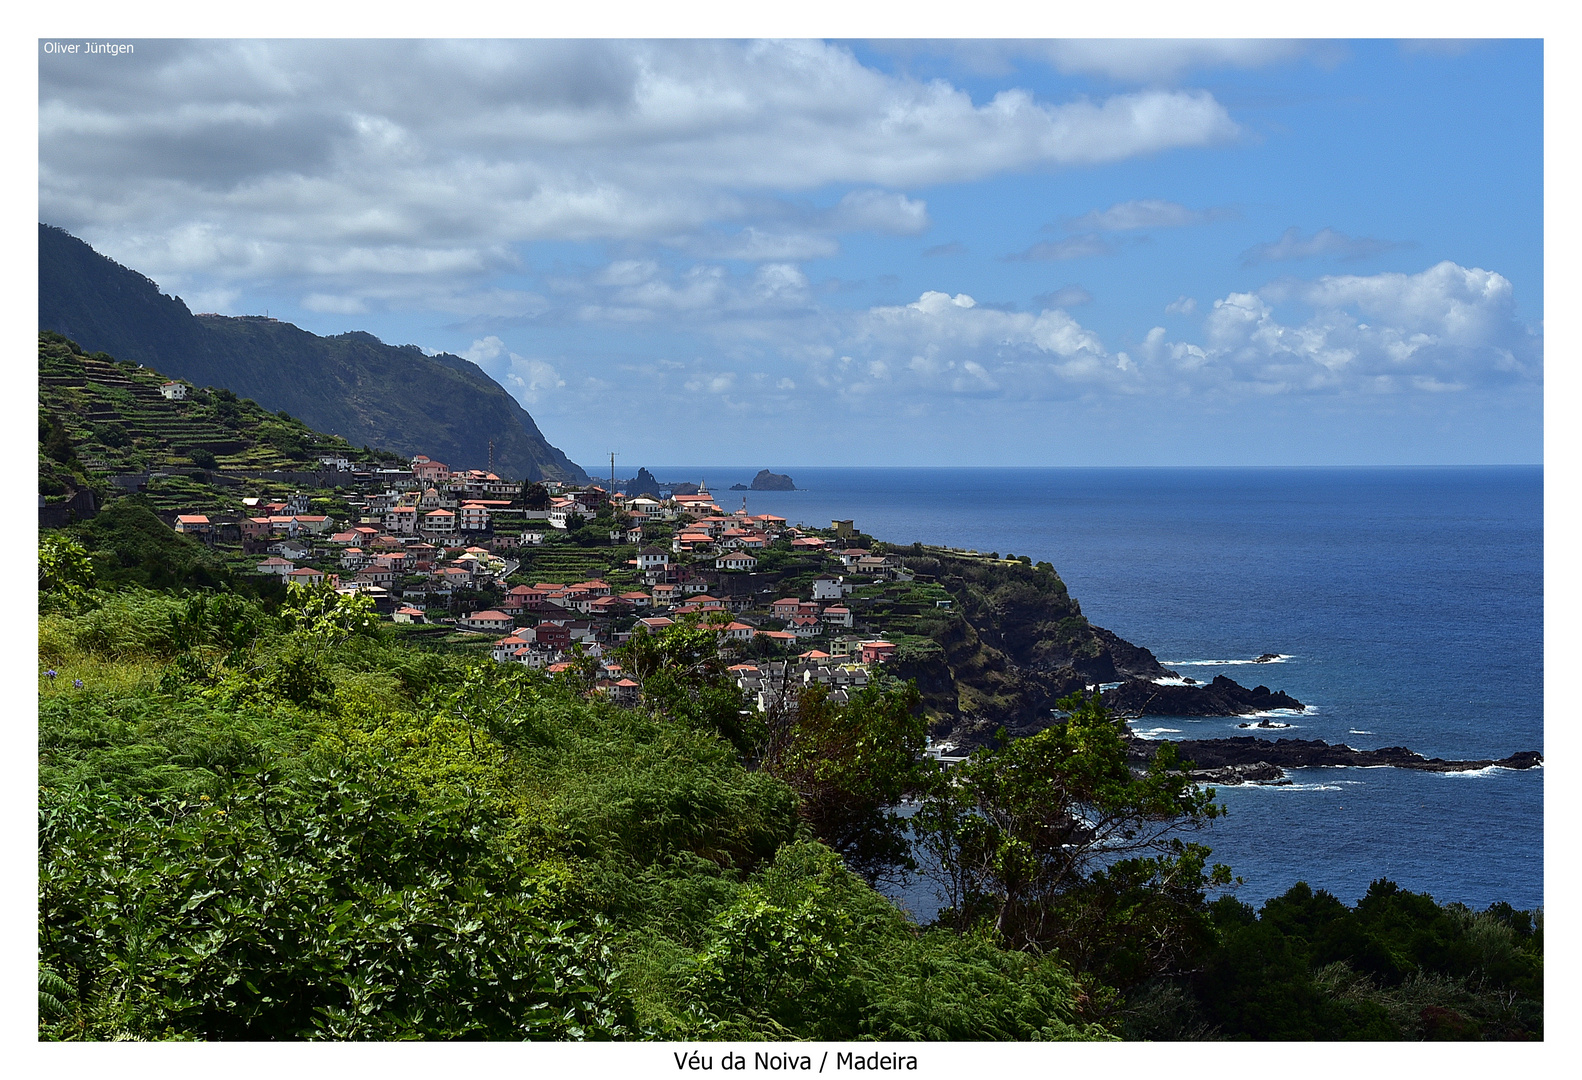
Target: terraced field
{"points": [[118, 422]]}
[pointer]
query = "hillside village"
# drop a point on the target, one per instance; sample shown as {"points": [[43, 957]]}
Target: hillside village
{"points": [[430, 551]]}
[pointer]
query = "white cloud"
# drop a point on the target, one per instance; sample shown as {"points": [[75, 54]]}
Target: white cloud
{"points": [[528, 379], [1293, 245], [952, 344], [1447, 328], [1181, 305], [370, 159], [879, 211]]}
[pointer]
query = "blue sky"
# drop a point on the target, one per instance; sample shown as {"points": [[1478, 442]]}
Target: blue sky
{"points": [[824, 253]]}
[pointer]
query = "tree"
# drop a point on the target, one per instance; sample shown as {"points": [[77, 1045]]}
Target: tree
{"points": [[65, 570], [850, 764], [535, 496], [1054, 831], [685, 677], [320, 612]]}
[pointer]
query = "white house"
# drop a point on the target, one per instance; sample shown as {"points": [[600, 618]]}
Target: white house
{"points": [[174, 391], [835, 615], [487, 620], [827, 588], [736, 560]]}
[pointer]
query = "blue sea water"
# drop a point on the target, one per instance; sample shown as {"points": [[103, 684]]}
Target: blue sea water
{"points": [[1407, 604]]}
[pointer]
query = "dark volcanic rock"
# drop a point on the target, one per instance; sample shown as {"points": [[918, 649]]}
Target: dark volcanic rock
{"points": [[1222, 697], [643, 484], [1260, 772], [740, 487], [1245, 750], [768, 481]]}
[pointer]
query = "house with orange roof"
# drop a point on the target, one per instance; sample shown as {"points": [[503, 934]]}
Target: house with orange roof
{"points": [[785, 608], [473, 517], [877, 652], [305, 575], [276, 565], [194, 524], [409, 614], [806, 626], [487, 620], [835, 615]]}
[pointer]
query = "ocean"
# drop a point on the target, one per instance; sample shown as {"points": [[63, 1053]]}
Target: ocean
{"points": [[1406, 604]]}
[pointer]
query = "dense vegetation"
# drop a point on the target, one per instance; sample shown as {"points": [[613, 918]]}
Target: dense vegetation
{"points": [[267, 817], [353, 384]]}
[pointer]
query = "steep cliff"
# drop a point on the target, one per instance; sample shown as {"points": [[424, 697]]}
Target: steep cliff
{"points": [[352, 385]]}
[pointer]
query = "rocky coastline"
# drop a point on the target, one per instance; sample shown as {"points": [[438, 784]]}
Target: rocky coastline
{"points": [[1222, 697], [1246, 759]]}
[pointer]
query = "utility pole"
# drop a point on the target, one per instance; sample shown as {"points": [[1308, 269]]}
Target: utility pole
{"points": [[491, 455], [612, 474]]}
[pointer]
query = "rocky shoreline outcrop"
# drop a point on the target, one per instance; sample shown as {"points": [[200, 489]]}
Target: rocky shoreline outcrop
{"points": [[1248, 759], [1222, 697]]}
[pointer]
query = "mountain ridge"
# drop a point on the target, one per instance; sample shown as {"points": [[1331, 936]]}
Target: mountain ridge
{"points": [[353, 385]]}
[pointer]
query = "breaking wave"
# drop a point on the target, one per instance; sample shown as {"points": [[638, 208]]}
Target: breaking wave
{"points": [[1279, 659]]}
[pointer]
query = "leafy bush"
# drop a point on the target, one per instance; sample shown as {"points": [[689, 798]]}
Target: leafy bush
{"points": [[321, 909]]}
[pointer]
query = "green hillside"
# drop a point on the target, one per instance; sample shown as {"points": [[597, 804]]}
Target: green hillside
{"points": [[352, 385], [99, 417]]}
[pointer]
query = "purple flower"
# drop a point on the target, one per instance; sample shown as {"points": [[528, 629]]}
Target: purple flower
{"points": [[77, 683], [50, 674]]}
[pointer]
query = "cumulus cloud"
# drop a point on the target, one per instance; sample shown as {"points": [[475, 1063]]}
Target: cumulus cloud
{"points": [[1144, 214], [1181, 305], [948, 344], [1446, 329], [1293, 245], [345, 159], [529, 379], [878, 211]]}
